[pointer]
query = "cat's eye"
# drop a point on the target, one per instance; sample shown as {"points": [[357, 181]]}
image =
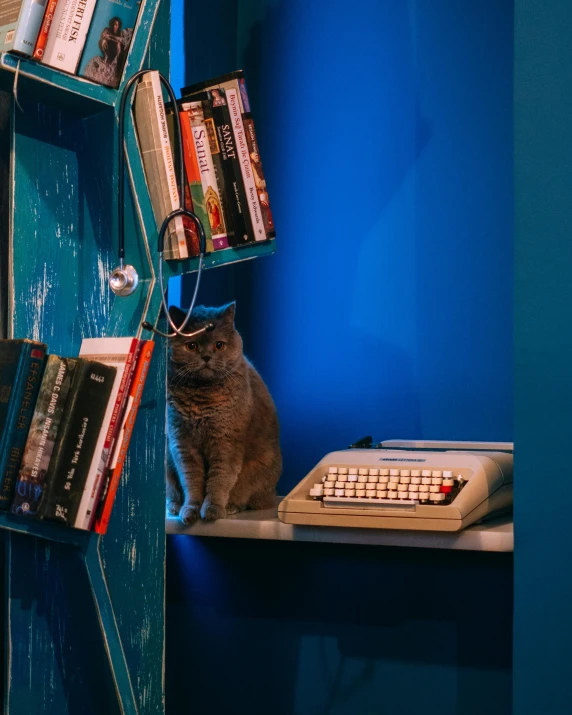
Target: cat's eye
{"points": [[219, 345], [191, 347]]}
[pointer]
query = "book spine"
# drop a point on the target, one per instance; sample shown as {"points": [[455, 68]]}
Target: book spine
{"points": [[94, 482], [116, 467], [10, 357], [258, 173], [71, 23], [108, 41], [245, 162], [44, 29], [29, 22], [169, 163], [240, 216], [18, 424], [68, 471], [42, 435], [194, 178], [216, 216]]}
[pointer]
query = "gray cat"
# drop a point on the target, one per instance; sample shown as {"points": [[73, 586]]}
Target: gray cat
{"points": [[224, 451]]}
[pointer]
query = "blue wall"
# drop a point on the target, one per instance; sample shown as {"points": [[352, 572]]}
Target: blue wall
{"points": [[386, 133]]}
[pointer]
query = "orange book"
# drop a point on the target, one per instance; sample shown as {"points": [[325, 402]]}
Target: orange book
{"points": [[122, 444], [44, 30]]}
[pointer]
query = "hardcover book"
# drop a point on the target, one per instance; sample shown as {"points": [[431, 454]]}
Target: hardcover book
{"points": [[20, 22], [213, 204], [235, 80], [76, 442], [44, 428], [21, 368], [68, 33], [122, 444], [108, 41], [119, 353], [155, 147]]}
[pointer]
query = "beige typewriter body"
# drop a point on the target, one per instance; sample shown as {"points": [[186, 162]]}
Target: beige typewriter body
{"points": [[482, 479]]}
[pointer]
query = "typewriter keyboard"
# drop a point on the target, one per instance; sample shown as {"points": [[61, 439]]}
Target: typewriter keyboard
{"points": [[400, 488]]}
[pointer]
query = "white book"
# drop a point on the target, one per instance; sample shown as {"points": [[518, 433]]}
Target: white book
{"points": [[252, 199], [68, 34], [119, 353]]}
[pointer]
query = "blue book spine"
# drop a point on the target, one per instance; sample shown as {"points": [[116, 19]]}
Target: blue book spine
{"points": [[108, 41], [21, 409], [28, 27]]}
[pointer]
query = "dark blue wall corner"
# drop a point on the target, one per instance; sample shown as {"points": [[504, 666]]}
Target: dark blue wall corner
{"points": [[386, 134]]}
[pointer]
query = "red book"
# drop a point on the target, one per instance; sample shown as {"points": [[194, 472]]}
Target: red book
{"points": [[124, 437], [44, 30]]}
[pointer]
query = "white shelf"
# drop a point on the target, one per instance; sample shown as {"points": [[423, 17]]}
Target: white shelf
{"points": [[494, 535]]}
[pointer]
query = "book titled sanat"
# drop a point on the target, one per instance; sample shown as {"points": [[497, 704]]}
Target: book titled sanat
{"points": [[68, 34]]}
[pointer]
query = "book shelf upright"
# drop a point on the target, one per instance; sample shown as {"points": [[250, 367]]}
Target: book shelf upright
{"points": [[84, 615]]}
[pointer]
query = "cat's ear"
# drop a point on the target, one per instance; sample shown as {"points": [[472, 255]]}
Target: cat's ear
{"points": [[227, 314]]}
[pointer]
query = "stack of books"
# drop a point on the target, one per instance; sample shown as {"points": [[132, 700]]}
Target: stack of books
{"points": [[225, 185], [90, 38], [65, 427]]}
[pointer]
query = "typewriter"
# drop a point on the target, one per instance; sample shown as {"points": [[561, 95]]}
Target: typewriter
{"points": [[435, 486]]}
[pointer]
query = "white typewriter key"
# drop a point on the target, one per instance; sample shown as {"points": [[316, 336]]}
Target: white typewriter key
{"points": [[370, 492], [436, 473], [438, 497], [329, 485], [339, 485], [342, 470], [394, 472], [394, 480], [360, 492], [316, 492], [373, 472], [384, 472], [363, 470], [339, 492], [383, 480], [414, 487], [362, 479], [332, 470], [352, 470], [434, 488], [391, 494], [342, 477], [349, 492], [405, 472], [448, 482], [403, 487], [405, 480], [372, 479], [404, 495], [415, 472], [414, 496], [415, 480], [448, 474], [352, 478], [425, 480], [423, 496], [329, 492], [436, 480], [426, 473], [381, 494]]}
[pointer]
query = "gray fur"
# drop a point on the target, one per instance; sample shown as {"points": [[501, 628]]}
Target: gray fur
{"points": [[224, 451]]}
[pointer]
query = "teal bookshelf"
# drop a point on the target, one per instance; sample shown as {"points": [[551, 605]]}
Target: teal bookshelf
{"points": [[84, 626]]}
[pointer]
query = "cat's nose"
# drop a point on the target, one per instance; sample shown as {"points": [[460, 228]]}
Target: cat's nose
{"points": [[206, 358]]}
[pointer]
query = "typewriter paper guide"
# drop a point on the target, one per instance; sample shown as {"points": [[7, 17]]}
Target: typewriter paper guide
{"points": [[487, 491]]}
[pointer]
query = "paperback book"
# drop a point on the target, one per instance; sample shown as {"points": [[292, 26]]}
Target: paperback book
{"points": [[20, 22]]}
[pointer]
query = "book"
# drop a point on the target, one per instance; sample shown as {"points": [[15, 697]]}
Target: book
{"points": [[21, 368], [20, 22], [108, 41], [68, 33], [76, 441], [124, 437], [45, 29], [48, 413], [119, 353], [194, 177], [155, 147], [213, 204], [232, 175], [235, 80]]}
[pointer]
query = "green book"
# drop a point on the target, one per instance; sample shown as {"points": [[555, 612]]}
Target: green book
{"points": [[21, 368]]}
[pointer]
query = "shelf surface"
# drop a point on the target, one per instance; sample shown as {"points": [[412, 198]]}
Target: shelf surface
{"points": [[493, 535]]}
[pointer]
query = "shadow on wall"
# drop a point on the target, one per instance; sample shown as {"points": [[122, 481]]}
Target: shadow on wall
{"points": [[386, 135]]}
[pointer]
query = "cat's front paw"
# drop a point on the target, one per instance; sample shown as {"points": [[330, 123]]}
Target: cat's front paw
{"points": [[189, 513], [173, 508], [212, 512]]}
